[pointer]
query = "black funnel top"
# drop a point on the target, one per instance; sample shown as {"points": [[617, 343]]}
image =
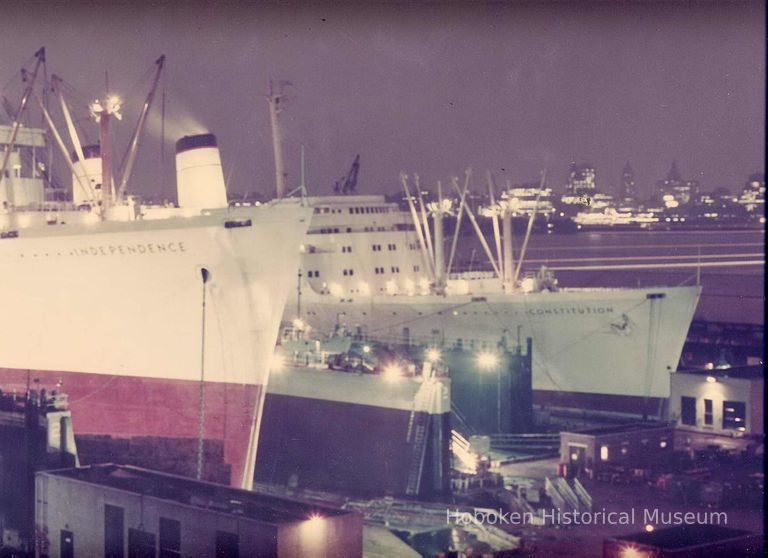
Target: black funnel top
{"points": [[193, 142]]}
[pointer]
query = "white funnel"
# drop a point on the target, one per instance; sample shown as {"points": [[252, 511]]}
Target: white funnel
{"points": [[199, 177]]}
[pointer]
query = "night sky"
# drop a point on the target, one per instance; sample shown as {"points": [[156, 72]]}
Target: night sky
{"points": [[509, 88]]}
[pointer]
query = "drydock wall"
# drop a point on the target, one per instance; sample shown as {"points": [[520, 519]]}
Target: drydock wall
{"points": [[349, 442]]}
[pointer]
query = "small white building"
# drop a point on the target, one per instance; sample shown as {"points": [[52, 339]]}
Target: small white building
{"points": [[718, 406], [124, 511]]}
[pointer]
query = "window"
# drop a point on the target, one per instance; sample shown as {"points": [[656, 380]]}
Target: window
{"points": [[141, 544], [227, 545], [688, 410], [603, 453], [416, 268], [708, 418], [170, 538], [734, 414], [114, 532]]}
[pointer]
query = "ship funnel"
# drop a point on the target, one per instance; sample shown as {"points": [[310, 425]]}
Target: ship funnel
{"points": [[199, 177], [86, 178]]}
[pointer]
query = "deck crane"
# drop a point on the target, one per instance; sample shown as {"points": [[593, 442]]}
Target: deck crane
{"points": [[130, 157], [348, 183], [40, 59]]}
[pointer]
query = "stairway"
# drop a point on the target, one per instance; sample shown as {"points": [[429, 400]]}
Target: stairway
{"points": [[418, 435]]}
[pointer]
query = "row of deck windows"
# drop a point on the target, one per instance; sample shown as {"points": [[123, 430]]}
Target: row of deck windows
{"points": [[369, 210]]}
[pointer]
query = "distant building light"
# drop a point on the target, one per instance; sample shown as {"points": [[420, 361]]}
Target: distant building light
{"points": [[487, 360], [366, 349], [709, 366], [604, 453], [649, 528]]}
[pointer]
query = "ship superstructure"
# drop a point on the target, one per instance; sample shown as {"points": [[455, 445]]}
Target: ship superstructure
{"points": [[159, 323]]}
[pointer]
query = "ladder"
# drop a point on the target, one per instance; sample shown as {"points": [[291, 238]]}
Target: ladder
{"points": [[418, 436]]}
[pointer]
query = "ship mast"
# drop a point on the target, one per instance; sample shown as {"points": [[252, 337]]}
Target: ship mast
{"points": [[505, 208], [438, 210], [275, 100], [103, 111]]}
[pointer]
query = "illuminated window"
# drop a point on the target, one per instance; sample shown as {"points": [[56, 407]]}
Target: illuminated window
{"points": [[734, 414], [604, 453]]}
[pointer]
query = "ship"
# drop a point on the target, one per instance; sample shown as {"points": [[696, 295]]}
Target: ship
{"points": [[392, 275], [158, 322]]}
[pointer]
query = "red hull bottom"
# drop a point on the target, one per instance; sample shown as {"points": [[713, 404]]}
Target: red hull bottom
{"points": [[156, 411]]}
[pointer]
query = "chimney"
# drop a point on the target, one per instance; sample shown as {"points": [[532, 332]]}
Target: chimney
{"points": [[199, 177]]}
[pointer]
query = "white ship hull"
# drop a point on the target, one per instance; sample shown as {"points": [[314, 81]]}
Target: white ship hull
{"points": [[112, 312], [591, 341]]}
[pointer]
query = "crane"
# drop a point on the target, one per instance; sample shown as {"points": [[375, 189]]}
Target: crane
{"points": [[348, 183]]}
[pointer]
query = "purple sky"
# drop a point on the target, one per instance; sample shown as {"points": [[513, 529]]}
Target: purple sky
{"points": [[514, 89]]}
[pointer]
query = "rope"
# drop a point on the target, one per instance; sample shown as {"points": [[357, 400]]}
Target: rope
{"points": [[201, 429]]}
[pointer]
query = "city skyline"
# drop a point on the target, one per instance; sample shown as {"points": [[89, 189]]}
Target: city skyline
{"points": [[429, 89]]}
